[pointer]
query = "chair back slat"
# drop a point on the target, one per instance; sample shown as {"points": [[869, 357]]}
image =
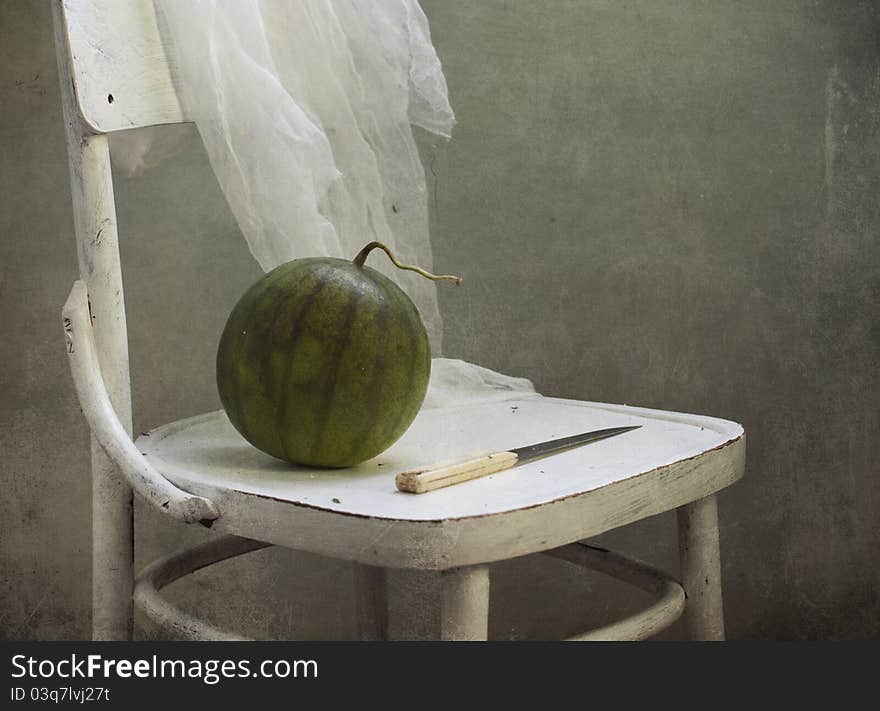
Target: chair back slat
{"points": [[122, 76]]}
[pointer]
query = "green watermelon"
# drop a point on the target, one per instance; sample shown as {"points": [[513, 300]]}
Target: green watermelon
{"points": [[324, 362]]}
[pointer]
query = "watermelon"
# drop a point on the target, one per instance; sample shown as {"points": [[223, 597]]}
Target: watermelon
{"points": [[324, 362]]}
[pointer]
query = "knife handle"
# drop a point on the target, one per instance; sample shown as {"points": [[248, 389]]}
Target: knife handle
{"points": [[418, 481]]}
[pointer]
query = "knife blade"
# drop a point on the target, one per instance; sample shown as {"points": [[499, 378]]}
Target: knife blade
{"points": [[419, 481]]}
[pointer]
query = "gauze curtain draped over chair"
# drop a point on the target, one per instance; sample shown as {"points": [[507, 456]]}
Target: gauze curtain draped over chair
{"points": [[305, 109]]}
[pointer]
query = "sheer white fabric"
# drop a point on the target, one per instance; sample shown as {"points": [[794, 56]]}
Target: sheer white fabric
{"points": [[305, 109], [457, 382]]}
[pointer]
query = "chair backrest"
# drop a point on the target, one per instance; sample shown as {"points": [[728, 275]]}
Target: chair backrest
{"points": [[115, 74], [121, 73]]}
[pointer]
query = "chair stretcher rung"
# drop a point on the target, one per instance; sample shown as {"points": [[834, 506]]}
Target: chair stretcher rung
{"points": [[667, 608], [166, 570]]}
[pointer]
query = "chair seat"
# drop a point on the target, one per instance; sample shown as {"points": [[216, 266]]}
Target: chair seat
{"points": [[358, 514]]}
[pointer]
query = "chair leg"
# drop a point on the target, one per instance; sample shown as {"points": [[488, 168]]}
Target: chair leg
{"points": [[112, 551], [464, 604], [701, 569], [112, 506], [371, 602]]}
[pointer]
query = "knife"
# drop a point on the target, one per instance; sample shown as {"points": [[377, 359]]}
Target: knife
{"points": [[418, 481]]}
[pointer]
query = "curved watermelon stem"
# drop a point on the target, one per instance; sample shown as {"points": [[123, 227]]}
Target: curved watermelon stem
{"points": [[362, 257]]}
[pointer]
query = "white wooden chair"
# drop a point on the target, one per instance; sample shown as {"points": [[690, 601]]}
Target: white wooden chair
{"points": [[114, 76]]}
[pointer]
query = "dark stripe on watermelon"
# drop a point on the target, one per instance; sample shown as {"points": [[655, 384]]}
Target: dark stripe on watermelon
{"points": [[281, 308], [376, 376], [281, 412], [329, 390]]}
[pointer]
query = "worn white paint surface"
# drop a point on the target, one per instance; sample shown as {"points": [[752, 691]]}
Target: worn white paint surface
{"points": [[207, 450], [115, 50], [672, 460]]}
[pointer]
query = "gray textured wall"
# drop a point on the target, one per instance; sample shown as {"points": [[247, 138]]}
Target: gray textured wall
{"points": [[671, 204]]}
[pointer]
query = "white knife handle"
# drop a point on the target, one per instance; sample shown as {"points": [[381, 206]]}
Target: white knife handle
{"points": [[418, 481]]}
